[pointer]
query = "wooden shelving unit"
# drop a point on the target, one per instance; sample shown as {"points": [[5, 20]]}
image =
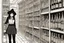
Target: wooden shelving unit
{"points": [[37, 20]]}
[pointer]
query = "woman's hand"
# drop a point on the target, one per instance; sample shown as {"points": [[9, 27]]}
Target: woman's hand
{"points": [[4, 33]]}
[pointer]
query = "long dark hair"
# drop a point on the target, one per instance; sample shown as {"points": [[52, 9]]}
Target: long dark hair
{"points": [[9, 12]]}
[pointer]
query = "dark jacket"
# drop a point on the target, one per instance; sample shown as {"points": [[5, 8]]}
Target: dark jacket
{"points": [[11, 29]]}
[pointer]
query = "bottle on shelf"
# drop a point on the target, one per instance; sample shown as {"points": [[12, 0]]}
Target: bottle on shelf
{"points": [[56, 4], [62, 41], [59, 41], [60, 5], [63, 3], [59, 1], [56, 38]]}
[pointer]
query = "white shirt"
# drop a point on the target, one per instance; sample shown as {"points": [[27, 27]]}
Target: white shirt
{"points": [[11, 21]]}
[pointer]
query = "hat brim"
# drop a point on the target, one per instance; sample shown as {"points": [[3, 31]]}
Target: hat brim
{"points": [[11, 11]]}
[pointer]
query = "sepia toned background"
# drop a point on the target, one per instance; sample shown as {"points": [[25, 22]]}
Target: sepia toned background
{"points": [[37, 21]]}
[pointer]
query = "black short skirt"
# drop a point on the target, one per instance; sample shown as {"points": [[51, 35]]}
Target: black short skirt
{"points": [[11, 29]]}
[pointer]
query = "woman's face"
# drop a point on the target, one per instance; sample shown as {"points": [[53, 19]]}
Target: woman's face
{"points": [[11, 14]]}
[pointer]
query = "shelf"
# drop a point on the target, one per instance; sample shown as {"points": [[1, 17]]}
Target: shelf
{"points": [[38, 27], [44, 35], [37, 35], [58, 31], [5, 16], [45, 13], [57, 10], [33, 20], [5, 4], [32, 34], [54, 11], [34, 27]]}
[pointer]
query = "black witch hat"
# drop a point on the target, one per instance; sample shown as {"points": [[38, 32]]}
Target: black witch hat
{"points": [[11, 11]]}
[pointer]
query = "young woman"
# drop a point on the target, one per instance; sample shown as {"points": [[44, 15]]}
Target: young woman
{"points": [[11, 29]]}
